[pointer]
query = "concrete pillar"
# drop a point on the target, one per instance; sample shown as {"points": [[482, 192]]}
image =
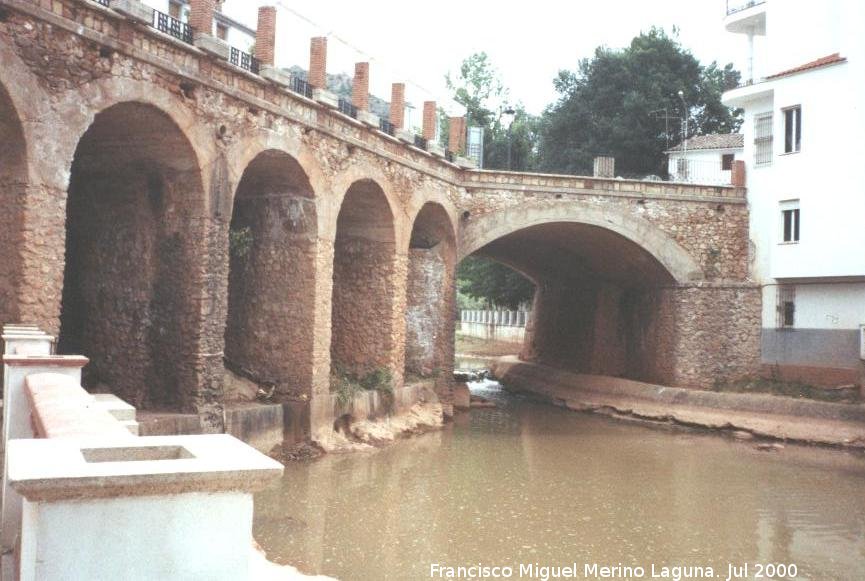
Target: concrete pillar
{"points": [[430, 117], [318, 62], [360, 86], [265, 35], [397, 105]]}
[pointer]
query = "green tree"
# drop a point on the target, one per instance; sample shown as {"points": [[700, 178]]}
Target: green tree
{"points": [[479, 89], [617, 101], [493, 283]]}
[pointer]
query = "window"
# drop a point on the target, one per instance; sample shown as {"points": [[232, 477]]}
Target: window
{"points": [[727, 161], [786, 307], [790, 221], [792, 129], [221, 31], [763, 138]]}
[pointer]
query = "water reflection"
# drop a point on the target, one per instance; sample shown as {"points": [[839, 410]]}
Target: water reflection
{"points": [[526, 483]]}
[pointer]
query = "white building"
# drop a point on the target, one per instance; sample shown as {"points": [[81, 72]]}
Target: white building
{"points": [[705, 159], [233, 32], [804, 102]]}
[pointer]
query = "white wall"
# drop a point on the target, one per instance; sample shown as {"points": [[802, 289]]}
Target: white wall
{"points": [[704, 166]]}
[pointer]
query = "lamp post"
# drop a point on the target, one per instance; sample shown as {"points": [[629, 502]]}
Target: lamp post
{"points": [[684, 122], [507, 120]]}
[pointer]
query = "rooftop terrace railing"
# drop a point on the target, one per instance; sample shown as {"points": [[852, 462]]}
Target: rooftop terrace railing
{"points": [[386, 126], [420, 142], [734, 6]]}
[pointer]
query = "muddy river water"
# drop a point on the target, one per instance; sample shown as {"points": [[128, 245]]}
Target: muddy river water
{"points": [[530, 484]]}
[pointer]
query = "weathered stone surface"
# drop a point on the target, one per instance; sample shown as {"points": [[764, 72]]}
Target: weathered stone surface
{"points": [[127, 156]]}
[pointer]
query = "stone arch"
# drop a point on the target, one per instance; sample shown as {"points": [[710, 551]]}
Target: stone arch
{"points": [[269, 334], [477, 233], [13, 192], [365, 283], [136, 240], [430, 293]]}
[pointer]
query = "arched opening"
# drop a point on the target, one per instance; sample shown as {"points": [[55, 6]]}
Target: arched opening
{"points": [[600, 305], [364, 285], [429, 312], [133, 224], [13, 190], [271, 284]]}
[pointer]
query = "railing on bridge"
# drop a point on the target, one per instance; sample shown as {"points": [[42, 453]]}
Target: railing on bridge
{"points": [[300, 86], [103, 2], [347, 108], [715, 172], [244, 60], [420, 142], [386, 126], [169, 25]]}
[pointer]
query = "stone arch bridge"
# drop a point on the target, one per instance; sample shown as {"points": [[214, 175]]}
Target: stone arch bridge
{"points": [[168, 214]]}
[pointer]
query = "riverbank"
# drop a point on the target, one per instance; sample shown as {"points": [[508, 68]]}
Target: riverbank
{"points": [[746, 415]]}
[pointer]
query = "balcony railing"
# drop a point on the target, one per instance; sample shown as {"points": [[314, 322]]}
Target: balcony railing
{"points": [[386, 126], [419, 142], [300, 87], [734, 6], [103, 2], [243, 60], [170, 25], [346, 108], [449, 155]]}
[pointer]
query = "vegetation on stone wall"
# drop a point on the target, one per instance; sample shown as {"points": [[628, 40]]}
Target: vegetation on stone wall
{"points": [[492, 284]]}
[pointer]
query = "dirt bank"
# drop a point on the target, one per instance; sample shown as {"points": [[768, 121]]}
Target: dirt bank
{"points": [[761, 415]]}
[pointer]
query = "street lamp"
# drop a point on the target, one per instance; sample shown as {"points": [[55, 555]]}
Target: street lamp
{"points": [[507, 120], [684, 123]]}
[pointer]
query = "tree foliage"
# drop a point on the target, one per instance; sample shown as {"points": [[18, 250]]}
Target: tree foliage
{"points": [[617, 101], [493, 283], [479, 89]]}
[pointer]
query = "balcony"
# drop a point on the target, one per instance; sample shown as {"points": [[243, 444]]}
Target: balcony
{"points": [[746, 17]]}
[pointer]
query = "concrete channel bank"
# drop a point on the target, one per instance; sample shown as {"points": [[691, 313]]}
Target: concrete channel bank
{"points": [[765, 416]]}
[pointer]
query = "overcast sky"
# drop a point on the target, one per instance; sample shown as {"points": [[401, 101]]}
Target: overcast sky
{"points": [[528, 42]]}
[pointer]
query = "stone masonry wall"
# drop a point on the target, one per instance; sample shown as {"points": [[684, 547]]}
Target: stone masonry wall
{"points": [[426, 293]]}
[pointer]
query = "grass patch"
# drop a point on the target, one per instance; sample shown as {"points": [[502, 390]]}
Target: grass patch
{"points": [[347, 385]]}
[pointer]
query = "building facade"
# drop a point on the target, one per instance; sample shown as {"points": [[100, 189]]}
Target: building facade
{"points": [[802, 98], [705, 159]]}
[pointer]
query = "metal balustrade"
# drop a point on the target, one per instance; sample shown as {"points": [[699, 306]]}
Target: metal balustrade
{"points": [[170, 25], [244, 60]]}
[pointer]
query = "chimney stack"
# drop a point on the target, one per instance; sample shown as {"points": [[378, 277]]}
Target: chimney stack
{"points": [[430, 116], [201, 16], [457, 135]]}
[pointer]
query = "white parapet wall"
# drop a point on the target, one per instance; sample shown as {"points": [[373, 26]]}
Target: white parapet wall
{"points": [[504, 326], [158, 507]]}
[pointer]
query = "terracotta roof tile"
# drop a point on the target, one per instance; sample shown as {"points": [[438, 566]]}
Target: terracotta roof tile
{"points": [[831, 59], [713, 141]]}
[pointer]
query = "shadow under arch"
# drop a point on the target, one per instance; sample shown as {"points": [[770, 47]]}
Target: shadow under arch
{"points": [[363, 306], [269, 333], [135, 236]]}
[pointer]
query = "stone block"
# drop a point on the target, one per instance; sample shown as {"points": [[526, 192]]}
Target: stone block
{"points": [[435, 148], [326, 98], [405, 136], [134, 10], [466, 163], [368, 118], [275, 75], [211, 45]]}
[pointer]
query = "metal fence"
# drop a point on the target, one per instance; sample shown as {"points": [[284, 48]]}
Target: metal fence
{"points": [[488, 317], [300, 87], [700, 171], [243, 60], [386, 126], [347, 108], [170, 25]]}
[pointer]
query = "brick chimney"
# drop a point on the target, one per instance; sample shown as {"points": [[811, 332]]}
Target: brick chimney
{"points": [[265, 35], [201, 15], [397, 105], [430, 116], [457, 136], [318, 62], [360, 86]]}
